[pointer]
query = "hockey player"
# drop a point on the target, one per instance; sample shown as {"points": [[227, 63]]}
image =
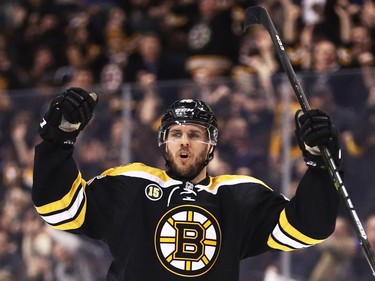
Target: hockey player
{"points": [[180, 223]]}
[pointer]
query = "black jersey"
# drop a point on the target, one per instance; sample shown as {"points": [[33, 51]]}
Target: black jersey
{"points": [[161, 228]]}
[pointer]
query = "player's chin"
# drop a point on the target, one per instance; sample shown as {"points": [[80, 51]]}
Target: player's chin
{"points": [[182, 170]]}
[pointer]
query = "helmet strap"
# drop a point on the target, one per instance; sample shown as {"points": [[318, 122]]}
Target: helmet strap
{"points": [[210, 155]]}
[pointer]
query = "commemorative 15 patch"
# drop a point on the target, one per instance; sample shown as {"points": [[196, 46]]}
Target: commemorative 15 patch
{"points": [[188, 240], [153, 192]]}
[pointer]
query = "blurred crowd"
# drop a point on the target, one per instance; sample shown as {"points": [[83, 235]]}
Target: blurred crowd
{"points": [[140, 55]]}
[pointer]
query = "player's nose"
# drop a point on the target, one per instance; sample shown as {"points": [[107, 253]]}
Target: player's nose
{"points": [[185, 139]]}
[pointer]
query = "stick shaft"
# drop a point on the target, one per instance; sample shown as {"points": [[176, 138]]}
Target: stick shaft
{"points": [[259, 15]]}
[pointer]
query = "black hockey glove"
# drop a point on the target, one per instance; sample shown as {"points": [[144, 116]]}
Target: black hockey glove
{"points": [[314, 128], [67, 115]]}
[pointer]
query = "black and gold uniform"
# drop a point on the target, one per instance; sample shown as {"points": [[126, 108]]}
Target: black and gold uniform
{"points": [[161, 228]]}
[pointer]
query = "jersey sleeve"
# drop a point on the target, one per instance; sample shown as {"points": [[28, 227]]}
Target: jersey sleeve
{"points": [[61, 195], [310, 216], [270, 221], [58, 190]]}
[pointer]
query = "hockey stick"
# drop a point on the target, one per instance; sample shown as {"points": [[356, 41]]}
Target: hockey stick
{"points": [[259, 15]]}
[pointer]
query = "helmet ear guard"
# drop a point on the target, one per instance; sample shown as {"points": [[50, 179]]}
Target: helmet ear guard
{"points": [[210, 155]]}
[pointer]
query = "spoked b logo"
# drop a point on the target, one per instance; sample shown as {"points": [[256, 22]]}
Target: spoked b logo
{"points": [[188, 240]]}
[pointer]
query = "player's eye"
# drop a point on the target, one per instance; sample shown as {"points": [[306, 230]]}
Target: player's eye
{"points": [[175, 135], [195, 135]]}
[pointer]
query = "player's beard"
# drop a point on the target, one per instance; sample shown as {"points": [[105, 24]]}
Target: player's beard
{"points": [[188, 172]]}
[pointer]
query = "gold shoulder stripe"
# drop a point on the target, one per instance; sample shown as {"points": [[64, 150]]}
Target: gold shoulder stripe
{"points": [[131, 167], [218, 181], [290, 230], [141, 170]]}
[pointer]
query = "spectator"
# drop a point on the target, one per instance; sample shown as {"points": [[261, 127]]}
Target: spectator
{"points": [[282, 135], [335, 21], [255, 108], [151, 58], [150, 64], [322, 98], [92, 151], [15, 204], [367, 16], [82, 76], [258, 53], [111, 84], [6, 103], [85, 43], [119, 40], [11, 263], [111, 79], [36, 248], [236, 148], [326, 69], [23, 140], [71, 265], [336, 255], [39, 27], [20, 127], [297, 31], [362, 49], [114, 146], [149, 108], [43, 66], [364, 146], [362, 53], [139, 19], [345, 119], [210, 36], [8, 72], [6, 276]]}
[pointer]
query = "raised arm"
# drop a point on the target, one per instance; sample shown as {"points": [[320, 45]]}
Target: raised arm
{"points": [[310, 216], [58, 187], [314, 207]]}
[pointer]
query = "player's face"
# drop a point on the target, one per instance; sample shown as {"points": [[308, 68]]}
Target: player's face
{"points": [[187, 148]]}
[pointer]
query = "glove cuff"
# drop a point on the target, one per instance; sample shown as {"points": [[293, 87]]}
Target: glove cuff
{"points": [[314, 161]]}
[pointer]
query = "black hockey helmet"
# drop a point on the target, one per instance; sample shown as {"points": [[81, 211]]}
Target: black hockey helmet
{"points": [[189, 111]]}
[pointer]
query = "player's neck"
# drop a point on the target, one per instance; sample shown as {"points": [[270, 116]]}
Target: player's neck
{"points": [[201, 176]]}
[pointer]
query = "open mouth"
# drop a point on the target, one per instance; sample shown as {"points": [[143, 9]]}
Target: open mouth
{"points": [[184, 155]]}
